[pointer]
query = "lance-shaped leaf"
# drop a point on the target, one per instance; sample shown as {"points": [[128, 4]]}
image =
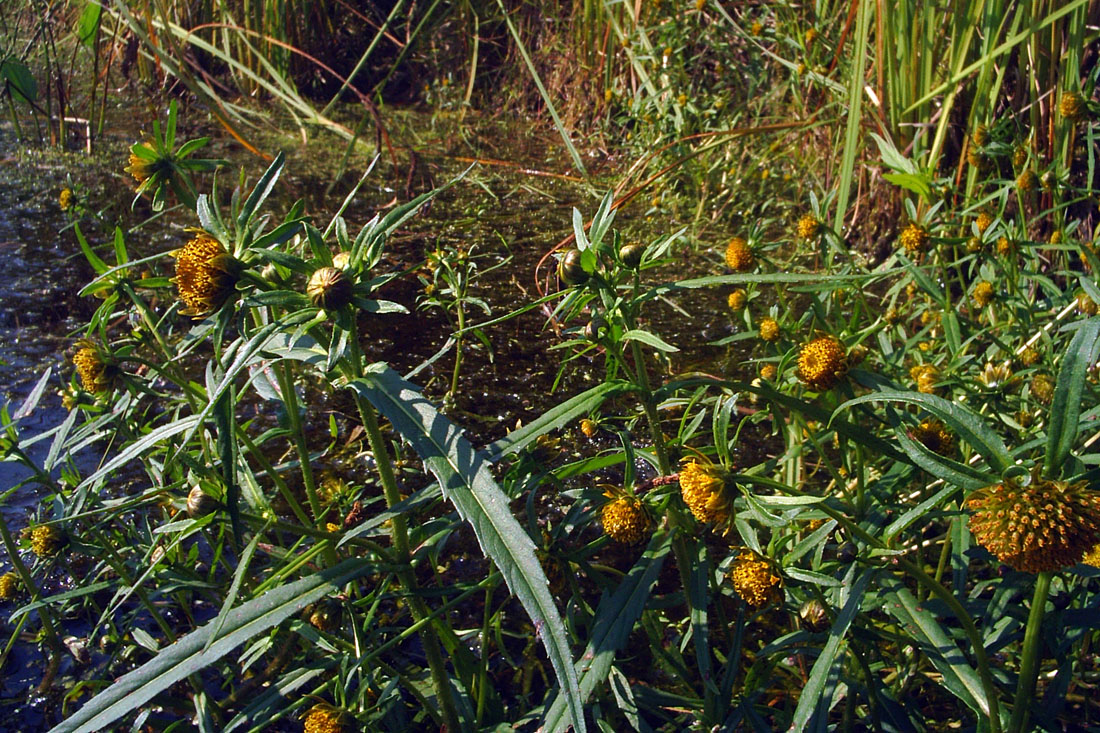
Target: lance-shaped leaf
{"points": [[1065, 408], [464, 475]]}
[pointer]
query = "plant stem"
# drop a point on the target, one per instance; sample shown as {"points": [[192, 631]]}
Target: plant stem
{"points": [[664, 465], [1029, 663]]}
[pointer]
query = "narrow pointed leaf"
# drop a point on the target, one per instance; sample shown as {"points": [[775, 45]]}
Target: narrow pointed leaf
{"points": [[1065, 408]]}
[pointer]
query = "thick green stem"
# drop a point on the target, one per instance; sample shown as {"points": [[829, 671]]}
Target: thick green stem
{"points": [[664, 465], [400, 537], [1029, 663]]}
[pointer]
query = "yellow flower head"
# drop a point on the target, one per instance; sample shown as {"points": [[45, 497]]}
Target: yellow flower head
{"points": [[1042, 386], [65, 199], [682, 100], [1029, 357], [757, 28], [810, 36], [737, 299], [983, 222], [808, 226], [706, 491], [323, 718], [205, 275], [739, 256], [1046, 525], [1004, 247], [980, 136], [822, 363], [140, 168], [934, 436], [1073, 106], [9, 586], [754, 580], [1092, 557], [914, 238], [47, 540], [624, 520], [769, 330], [768, 372], [96, 373], [982, 293], [588, 427], [1019, 156], [926, 376]]}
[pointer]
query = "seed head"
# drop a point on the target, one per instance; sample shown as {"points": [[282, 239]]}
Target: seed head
{"points": [[205, 275], [624, 520], [1073, 106], [705, 489], [754, 581], [329, 288], [1046, 525], [980, 136], [822, 363], [1042, 386], [738, 255], [914, 238], [1029, 357]]}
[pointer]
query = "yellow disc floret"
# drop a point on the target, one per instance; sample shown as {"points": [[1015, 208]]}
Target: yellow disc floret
{"points": [[738, 255], [914, 238], [808, 226], [323, 718], [9, 586], [1046, 525], [982, 294], [754, 581], [205, 275], [706, 492], [769, 330], [624, 520], [47, 540], [822, 363]]}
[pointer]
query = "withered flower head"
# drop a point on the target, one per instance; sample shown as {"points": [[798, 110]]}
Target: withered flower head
{"points": [[1046, 525], [329, 288]]}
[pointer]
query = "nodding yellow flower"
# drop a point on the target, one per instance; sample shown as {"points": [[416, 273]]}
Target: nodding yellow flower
{"points": [[96, 372], [589, 427], [706, 492], [768, 372], [1073, 106], [738, 255], [926, 376], [757, 28], [324, 718], [140, 168], [1046, 525], [1085, 304], [65, 199], [1042, 386], [737, 299], [810, 35], [983, 222], [1027, 181], [1004, 247], [624, 520], [205, 275], [822, 363], [934, 436], [682, 100], [980, 136], [808, 226], [47, 540], [769, 330], [914, 238], [754, 580], [982, 293], [9, 586], [1029, 357]]}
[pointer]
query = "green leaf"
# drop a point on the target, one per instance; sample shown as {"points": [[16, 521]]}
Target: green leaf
{"points": [[554, 418], [88, 23], [141, 445], [953, 472], [965, 423], [19, 79], [188, 655], [958, 676], [260, 192], [614, 620], [1065, 408], [918, 183], [467, 482], [649, 339]]}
